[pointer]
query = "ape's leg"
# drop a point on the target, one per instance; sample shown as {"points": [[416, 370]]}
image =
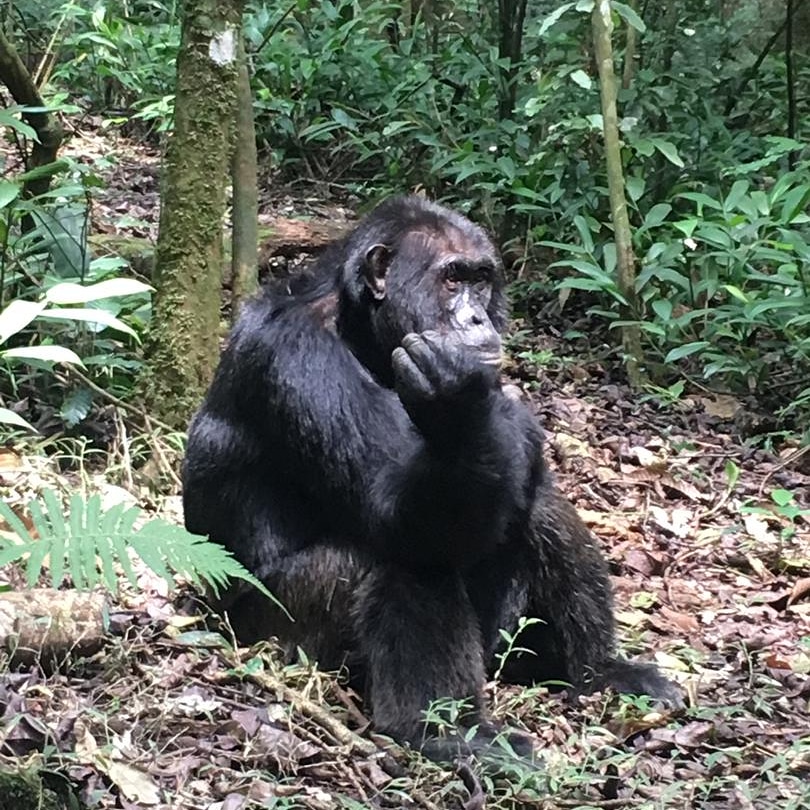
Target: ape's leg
{"points": [[569, 590], [420, 641], [316, 587]]}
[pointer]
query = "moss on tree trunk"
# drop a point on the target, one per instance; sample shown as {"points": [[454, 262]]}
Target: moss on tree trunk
{"points": [[183, 345]]}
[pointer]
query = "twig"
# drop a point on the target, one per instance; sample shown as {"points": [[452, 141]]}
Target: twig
{"points": [[133, 409], [791, 459]]}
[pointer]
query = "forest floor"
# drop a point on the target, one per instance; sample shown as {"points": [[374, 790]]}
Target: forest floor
{"points": [[702, 523]]}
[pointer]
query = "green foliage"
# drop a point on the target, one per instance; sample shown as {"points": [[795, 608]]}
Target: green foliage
{"points": [[122, 56], [377, 99], [56, 314], [782, 505], [90, 543]]}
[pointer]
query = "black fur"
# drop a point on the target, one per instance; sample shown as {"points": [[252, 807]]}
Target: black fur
{"points": [[357, 453]]}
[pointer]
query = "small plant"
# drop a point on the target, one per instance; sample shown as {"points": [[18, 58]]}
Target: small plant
{"points": [[57, 308], [783, 506], [511, 643], [89, 543]]}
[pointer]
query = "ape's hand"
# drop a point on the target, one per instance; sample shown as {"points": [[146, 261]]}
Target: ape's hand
{"points": [[440, 380]]}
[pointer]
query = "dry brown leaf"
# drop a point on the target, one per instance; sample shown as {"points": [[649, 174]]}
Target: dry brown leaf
{"points": [[135, 784], [721, 405], [9, 460], [685, 622], [758, 528], [801, 588]]}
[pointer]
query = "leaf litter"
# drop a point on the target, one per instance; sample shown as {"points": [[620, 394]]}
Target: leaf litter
{"points": [[712, 579]]}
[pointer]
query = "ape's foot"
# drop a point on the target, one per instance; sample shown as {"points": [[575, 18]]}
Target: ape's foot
{"points": [[635, 678]]}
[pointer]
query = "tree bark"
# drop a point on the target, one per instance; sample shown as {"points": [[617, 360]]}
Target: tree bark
{"points": [[245, 193], [625, 259], [511, 16], [49, 626], [17, 79], [183, 346], [630, 48]]}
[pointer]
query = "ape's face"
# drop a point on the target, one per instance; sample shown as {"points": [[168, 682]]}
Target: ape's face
{"points": [[446, 281]]}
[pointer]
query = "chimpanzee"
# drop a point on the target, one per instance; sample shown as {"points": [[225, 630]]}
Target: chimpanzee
{"points": [[357, 453]]}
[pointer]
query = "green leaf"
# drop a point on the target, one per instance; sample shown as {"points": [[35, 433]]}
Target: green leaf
{"points": [[553, 17], [76, 406], [69, 293], [657, 214], [48, 170], [629, 15], [57, 551], [795, 202], [48, 354], [16, 316], [679, 352], [781, 497], [635, 187], [701, 200], [87, 537], [9, 192], [8, 417], [97, 316], [343, 118], [581, 78], [668, 150], [737, 293], [8, 119], [663, 309], [732, 474], [736, 194]]}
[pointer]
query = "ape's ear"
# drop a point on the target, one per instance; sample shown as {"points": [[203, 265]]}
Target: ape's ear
{"points": [[375, 267]]}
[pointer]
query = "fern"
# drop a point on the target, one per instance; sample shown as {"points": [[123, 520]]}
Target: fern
{"points": [[89, 542]]}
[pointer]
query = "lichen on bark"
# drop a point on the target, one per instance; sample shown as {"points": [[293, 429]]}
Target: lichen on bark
{"points": [[183, 344]]}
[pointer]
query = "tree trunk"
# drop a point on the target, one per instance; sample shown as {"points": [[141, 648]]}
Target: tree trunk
{"points": [[511, 16], [184, 339], [625, 260], [17, 79], [245, 194]]}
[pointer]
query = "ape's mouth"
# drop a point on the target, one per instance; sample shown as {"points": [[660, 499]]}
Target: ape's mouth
{"points": [[493, 358]]}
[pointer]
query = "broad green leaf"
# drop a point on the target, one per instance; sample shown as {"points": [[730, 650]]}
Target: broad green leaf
{"points": [[16, 316], [629, 15], [662, 308], [553, 17], [581, 78], [8, 417], [98, 316], [736, 194], [702, 199], [48, 170], [69, 293], [343, 118], [635, 187], [680, 352], [736, 292], [51, 354], [781, 497], [657, 214], [8, 119], [8, 192], [668, 150], [795, 201]]}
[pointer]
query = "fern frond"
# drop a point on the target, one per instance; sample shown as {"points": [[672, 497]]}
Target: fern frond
{"points": [[89, 541]]}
